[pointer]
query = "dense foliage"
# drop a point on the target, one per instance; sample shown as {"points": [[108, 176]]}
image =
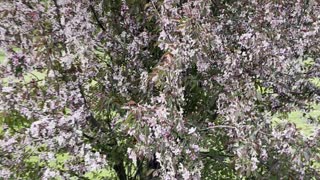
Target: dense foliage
{"points": [[163, 89]]}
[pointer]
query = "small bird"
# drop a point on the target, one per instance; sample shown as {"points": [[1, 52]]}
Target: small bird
{"points": [[131, 103], [165, 63], [166, 60]]}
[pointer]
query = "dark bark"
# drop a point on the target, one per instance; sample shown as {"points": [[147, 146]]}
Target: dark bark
{"points": [[120, 170]]}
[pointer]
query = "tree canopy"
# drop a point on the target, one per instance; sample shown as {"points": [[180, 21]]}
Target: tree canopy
{"points": [[158, 89]]}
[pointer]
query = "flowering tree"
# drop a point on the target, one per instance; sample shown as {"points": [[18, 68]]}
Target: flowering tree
{"points": [[170, 89]]}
